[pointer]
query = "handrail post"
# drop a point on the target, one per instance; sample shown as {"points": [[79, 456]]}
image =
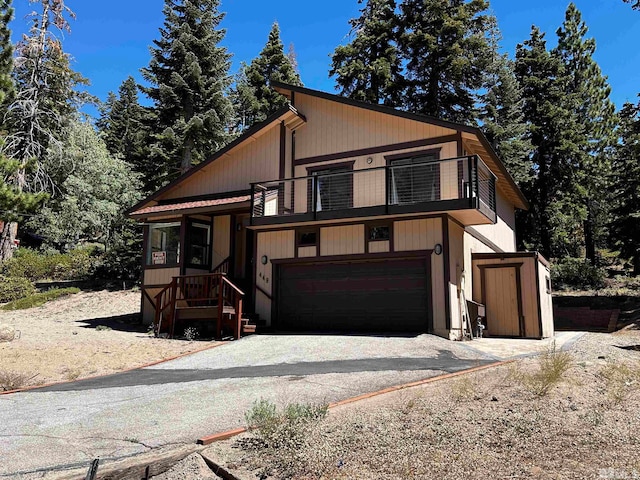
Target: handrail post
{"points": [[238, 308], [220, 306], [172, 307]]}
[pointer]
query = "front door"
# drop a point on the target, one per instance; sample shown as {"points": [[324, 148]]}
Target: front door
{"points": [[240, 247], [501, 300]]}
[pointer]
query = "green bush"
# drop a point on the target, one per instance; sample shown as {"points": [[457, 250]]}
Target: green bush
{"points": [[286, 429], [33, 265], [576, 273], [39, 299], [13, 288]]}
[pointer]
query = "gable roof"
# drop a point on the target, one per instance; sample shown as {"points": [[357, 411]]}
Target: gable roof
{"points": [[288, 112], [513, 192]]}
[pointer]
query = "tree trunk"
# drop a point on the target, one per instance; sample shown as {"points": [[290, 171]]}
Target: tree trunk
{"points": [[7, 240], [589, 238]]}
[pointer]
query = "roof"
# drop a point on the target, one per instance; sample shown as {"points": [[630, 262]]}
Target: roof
{"points": [[504, 177], [189, 205], [288, 113]]}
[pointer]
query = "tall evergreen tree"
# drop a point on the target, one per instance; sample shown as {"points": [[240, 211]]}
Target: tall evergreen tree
{"points": [[6, 52], [124, 125], [503, 121], [625, 228], [538, 72], [447, 48], [253, 98], [46, 96], [635, 4], [189, 74], [586, 96], [369, 67]]}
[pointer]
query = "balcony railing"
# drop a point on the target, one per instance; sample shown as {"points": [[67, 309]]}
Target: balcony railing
{"points": [[451, 184]]}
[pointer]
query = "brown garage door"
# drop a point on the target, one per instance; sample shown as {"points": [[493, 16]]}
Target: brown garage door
{"points": [[389, 295]]}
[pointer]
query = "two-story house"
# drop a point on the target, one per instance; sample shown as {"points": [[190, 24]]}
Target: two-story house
{"points": [[338, 215]]}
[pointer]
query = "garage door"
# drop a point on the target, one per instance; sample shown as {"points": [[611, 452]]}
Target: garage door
{"points": [[382, 295]]}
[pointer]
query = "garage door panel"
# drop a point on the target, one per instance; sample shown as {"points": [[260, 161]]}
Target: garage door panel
{"points": [[388, 295]]}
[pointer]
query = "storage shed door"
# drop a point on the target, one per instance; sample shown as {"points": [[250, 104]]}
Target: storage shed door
{"points": [[503, 311], [373, 295]]}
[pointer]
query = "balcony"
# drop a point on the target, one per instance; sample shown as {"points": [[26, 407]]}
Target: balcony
{"points": [[463, 187]]}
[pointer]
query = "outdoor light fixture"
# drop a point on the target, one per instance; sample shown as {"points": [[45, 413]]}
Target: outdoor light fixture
{"points": [[264, 259], [438, 249], [369, 160]]}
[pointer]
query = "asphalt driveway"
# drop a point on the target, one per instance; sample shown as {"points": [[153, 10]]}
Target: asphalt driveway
{"points": [[67, 425]]}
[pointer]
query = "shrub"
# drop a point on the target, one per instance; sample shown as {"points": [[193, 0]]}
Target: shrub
{"points": [[39, 299], [13, 288], [620, 380], [285, 429], [31, 264], [14, 380], [577, 273], [552, 366]]}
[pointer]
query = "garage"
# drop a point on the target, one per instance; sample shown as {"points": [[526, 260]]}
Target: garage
{"points": [[372, 295]]}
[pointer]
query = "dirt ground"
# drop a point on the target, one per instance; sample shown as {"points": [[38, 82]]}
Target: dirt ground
{"points": [[86, 334], [490, 424]]}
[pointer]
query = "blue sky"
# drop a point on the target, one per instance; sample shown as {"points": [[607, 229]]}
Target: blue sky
{"points": [[110, 40]]}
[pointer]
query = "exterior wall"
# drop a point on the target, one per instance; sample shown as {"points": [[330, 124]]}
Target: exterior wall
{"points": [[275, 245], [344, 240], [335, 127], [546, 305], [424, 234], [369, 187], [250, 162], [457, 280], [503, 233], [408, 235], [160, 276], [528, 285], [221, 244]]}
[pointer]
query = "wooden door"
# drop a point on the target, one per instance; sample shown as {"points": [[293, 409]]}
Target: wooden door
{"points": [[502, 303], [240, 246]]}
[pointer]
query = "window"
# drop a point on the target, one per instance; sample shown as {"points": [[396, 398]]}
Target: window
{"points": [[548, 283], [379, 232], [333, 188], [308, 238], [198, 244], [163, 247], [415, 179]]}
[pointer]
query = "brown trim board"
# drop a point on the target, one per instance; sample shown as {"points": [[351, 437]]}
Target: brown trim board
{"points": [[538, 296], [373, 150], [283, 140], [416, 153], [478, 236], [447, 270]]}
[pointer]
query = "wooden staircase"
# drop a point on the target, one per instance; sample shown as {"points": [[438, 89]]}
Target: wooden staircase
{"points": [[210, 299]]}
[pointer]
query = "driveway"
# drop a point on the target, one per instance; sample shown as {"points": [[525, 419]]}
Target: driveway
{"points": [[67, 425]]}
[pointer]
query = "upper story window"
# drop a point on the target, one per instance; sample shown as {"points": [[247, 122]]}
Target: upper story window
{"points": [[163, 247], [414, 178], [333, 187]]}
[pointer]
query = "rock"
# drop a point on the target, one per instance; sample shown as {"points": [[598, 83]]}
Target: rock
{"points": [[494, 399], [7, 333]]}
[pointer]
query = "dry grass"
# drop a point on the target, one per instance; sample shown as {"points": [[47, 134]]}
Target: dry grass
{"points": [[86, 334], [563, 416], [10, 380]]}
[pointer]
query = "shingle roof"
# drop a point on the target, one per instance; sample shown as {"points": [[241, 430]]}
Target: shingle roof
{"points": [[191, 205]]}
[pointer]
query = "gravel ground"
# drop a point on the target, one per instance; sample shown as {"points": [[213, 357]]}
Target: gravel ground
{"points": [[89, 333], [483, 425]]}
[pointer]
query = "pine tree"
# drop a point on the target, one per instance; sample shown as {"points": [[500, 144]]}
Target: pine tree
{"points": [[635, 4], [189, 74], [586, 96], [503, 121], [254, 100], [124, 126], [6, 52], [46, 95], [538, 72], [447, 48], [369, 67], [625, 228]]}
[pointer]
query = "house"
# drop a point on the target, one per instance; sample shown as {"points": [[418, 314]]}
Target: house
{"points": [[339, 215]]}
